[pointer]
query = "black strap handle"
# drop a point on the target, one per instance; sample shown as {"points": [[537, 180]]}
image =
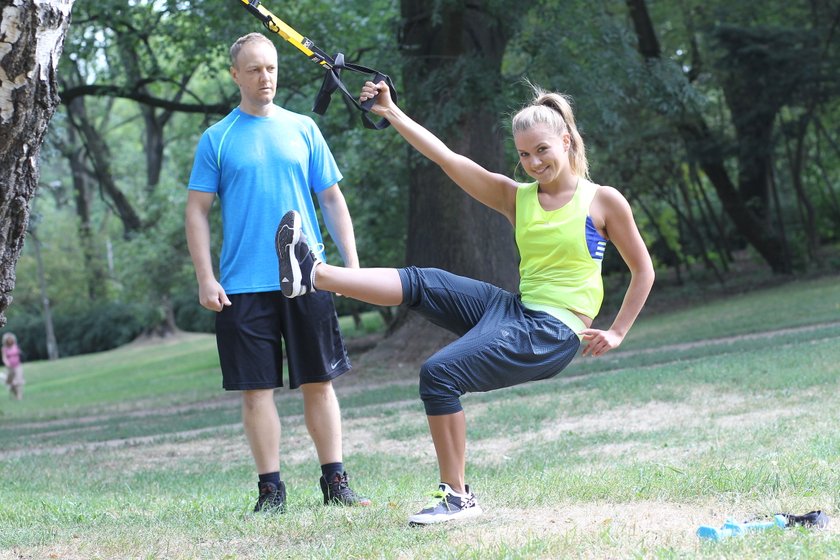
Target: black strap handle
{"points": [[332, 81], [379, 77]]}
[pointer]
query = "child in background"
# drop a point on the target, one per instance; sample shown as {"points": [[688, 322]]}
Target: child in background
{"points": [[12, 361]]}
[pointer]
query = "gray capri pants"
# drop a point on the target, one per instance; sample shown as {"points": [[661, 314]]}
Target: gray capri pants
{"points": [[502, 343]]}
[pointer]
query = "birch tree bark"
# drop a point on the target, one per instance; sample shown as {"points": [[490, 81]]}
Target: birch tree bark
{"points": [[32, 35]]}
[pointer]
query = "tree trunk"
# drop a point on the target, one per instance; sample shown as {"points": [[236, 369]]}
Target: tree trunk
{"points": [[154, 144], [99, 155], [155, 121], [710, 219], [95, 274], [455, 50], [691, 224], [49, 327], [31, 39], [830, 195], [796, 159], [169, 327], [707, 150]]}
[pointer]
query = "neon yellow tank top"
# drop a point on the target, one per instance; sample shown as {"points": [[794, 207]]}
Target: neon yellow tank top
{"points": [[561, 251]]}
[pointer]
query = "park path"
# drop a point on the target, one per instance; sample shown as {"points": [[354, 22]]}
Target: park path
{"points": [[725, 341], [230, 400]]}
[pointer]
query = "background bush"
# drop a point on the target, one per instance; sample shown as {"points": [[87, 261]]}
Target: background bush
{"points": [[94, 329]]}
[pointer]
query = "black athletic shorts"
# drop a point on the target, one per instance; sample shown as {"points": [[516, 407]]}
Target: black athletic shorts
{"points": [[249, 334]]}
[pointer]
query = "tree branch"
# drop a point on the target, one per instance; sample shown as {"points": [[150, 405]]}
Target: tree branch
{"points": [[67, 95], [648, 43]]}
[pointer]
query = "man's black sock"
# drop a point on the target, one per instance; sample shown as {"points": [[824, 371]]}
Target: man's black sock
{"points": [[331, 469]]}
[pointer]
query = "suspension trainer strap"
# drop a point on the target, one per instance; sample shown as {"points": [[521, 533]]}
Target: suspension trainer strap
{"points": [[332, 82], [332, 66]]}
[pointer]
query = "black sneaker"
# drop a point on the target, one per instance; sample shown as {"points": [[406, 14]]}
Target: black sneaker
{"points": [[297, 261], [338, 492], [272, 498], [811, 519], [446, 505]]}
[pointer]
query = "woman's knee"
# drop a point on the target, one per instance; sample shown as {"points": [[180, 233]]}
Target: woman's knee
{"points": [[439, 393]]}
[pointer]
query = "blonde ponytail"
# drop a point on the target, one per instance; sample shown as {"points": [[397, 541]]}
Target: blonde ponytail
{"points": [[554, 110]]}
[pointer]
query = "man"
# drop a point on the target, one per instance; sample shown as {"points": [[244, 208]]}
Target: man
{"points": [[261, 161]]}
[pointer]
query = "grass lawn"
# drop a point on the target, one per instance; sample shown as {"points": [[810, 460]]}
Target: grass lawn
{"points": [[728, 409]]}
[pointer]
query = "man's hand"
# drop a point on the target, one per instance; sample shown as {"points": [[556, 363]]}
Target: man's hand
{"points": [[212, 296]]}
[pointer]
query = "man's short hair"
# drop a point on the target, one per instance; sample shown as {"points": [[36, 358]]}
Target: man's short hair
{"points": [[244, 40]]}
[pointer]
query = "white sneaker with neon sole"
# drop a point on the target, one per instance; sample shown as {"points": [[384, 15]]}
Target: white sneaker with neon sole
{"points": [[446, 505]]}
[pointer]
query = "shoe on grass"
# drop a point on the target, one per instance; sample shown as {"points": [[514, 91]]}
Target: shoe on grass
{"points": [[446, 505], [272, 498], [338, 492], [296, 259]]}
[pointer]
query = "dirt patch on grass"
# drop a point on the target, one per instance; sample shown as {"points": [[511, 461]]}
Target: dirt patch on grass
{"points": [[701, 409], [636, 525], [384, 437], [607, 530], [226, 447]]}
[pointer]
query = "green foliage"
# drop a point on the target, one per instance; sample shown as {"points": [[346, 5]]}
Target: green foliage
{"points": [[375, 188], [631, 110], [101, 327], [83, 330], [626, 109], [153, 266], [56, 231], [191, 317], [375, 172]]}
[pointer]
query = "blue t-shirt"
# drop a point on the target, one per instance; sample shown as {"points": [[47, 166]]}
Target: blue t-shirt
{"points": [[260, 168]]}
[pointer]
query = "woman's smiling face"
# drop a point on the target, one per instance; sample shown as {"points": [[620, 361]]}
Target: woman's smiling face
{"points": [[542, 152]]}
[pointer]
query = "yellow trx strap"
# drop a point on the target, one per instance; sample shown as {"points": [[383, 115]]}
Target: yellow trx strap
{"points": [[277, 25], [333, 65]]}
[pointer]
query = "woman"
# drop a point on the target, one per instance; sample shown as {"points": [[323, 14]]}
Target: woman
{"points": [[562, 223]]}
